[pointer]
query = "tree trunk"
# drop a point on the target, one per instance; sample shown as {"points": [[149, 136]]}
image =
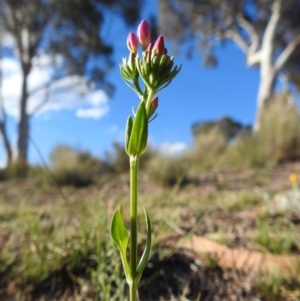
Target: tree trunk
{"points": [[23, 127], [6, 142], [3, 129], [266, 87]]}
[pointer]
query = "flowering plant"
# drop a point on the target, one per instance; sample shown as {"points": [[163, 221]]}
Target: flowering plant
{"points": [[155, 69]]}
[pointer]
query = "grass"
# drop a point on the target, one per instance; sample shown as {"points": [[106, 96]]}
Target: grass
{"points": [[278, 238], [276, 286], [49, 237], [54, 240], [234, 201], [56, 246]]}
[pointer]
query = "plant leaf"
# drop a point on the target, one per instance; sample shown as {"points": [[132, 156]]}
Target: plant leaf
{"points": [[128, 132], [139, 133], [120, 237], [145, 257]]}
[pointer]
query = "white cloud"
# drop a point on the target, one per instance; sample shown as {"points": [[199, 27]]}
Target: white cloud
{"points": [[7, 40], [172, 148], [94, 113], [69, 93], [98, 98]]}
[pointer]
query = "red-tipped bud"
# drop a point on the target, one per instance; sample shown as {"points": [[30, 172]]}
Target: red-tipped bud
{"points": [[154, 102], [153, 107], [144, 34], [159, 45], [150, 46], [132, 43]]}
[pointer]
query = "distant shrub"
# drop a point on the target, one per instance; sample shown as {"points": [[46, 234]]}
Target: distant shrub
{"points": [[3, 175], [168, 171], [74, 167], [226, 125], [277, 140], [208, 146], [119, 160], [244, 151], [280, 129], [15, 170], [22, 170]]}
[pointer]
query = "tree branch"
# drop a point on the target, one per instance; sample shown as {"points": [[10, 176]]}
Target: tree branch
{"points": [[252, 33], [44, 85], [11, 25], [48, 95], [249, 48], [286, 53], [234, 35], [268, 38], [45, 100]]}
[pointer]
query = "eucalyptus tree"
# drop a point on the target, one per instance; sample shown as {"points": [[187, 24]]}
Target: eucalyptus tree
{"points": [[267, 31], [70, 35]]}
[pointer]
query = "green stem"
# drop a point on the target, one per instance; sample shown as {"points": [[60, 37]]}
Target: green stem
{"points": [[151, 93], [133, 226], [133, 295]]}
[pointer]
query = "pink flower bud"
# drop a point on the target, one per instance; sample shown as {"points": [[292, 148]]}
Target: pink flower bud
{"points": [[159, 45], [153, 106], [144, 34], [154, 102], [132, 43]]}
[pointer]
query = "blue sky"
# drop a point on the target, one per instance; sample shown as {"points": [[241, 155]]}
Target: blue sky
{"points": [[196, 94]]}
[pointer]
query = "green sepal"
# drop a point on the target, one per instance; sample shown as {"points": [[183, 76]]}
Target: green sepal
{"points": [[120, 236], [145, 257], [164, 82], [155, 63], [163, 60], [128, 133], [139, 133], [143, 69]]}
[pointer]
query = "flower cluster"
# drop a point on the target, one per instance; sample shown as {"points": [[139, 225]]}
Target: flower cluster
{"points": [[154, 67]]}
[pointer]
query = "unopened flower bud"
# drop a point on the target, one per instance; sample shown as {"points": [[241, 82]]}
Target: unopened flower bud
{"points": [[154, 102], [132, 43], [131, 61], [153, 107], [159, 46], [150, 46], [144, 34]]}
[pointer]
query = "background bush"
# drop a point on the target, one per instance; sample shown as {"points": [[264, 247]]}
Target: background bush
{"points": [[278, 139], [75, 167], [208, 146], [280, 129], [168, 171], [118, 160]]}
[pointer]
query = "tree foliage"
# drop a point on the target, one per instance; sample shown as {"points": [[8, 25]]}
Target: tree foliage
{"points": [[70, 34], [242, 21], [225, 125], [267, 31]]}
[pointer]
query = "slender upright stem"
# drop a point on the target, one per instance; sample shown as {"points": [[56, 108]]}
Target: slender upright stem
{"points": [[149, 98], [133, 295], [133, 225]]}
